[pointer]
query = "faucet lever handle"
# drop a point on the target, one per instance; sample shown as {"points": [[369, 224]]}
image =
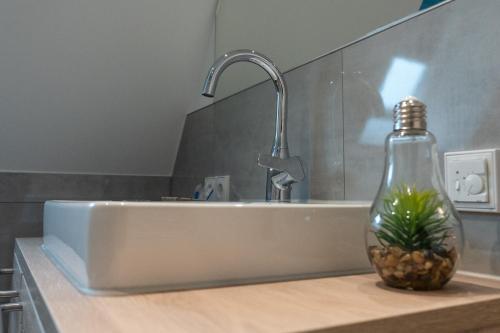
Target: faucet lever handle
{"points": [[291, 169]]}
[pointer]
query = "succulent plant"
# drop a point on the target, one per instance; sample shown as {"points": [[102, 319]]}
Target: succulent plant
{"points": [[413, 220]]}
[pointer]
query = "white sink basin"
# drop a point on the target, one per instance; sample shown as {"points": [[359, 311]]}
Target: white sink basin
{"points": [[116, 247]]}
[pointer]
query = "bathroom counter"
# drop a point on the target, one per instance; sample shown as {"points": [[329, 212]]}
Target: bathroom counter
{"points": [[358, 303]]}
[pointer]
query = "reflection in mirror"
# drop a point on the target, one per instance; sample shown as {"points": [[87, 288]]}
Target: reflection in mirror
{"points": [[401, 79], [294, 32]]}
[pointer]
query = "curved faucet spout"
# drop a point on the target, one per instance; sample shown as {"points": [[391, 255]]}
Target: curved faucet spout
{"points": [[280, 142]]}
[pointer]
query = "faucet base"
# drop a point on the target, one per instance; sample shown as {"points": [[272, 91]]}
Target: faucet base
{"points": [[275, 194]]}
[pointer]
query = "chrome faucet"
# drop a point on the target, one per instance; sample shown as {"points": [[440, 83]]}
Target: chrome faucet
{"points": [[282, 171]]}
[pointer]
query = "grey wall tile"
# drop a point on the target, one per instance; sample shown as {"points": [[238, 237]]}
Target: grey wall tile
{"points": [[244, 127], [183, 186], [195, 154], [317, 96], [17, 220], [39, 187], [132, 188], [482, 243], [458, 82]]}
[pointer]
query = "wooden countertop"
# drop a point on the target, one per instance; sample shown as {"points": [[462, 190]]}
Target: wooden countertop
{"points": [[339, 304]]}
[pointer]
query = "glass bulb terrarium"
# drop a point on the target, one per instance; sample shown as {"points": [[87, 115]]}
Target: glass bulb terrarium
{"points": [[414, 238]]}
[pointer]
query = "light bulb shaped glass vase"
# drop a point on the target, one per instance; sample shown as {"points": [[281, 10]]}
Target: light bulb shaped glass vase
{"points": [[414, 238]]}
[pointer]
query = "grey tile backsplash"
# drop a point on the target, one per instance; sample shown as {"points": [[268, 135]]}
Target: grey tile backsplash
{"points": [[39, 187], [340, 112]]}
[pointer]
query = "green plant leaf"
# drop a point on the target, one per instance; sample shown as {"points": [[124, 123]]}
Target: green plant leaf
{"points": [[413, 219]]}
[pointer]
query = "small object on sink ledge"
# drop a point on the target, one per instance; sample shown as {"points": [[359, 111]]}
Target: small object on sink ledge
{"points": [[415, 235]]}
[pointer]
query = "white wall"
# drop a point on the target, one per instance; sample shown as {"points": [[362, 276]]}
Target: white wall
{"points": [[99, 86], [292, 32]]}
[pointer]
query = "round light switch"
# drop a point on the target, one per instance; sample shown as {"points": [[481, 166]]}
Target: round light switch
{"points": [[474, 184]]}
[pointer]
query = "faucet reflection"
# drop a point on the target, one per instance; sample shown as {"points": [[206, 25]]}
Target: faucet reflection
{"points": [[282, 171]]}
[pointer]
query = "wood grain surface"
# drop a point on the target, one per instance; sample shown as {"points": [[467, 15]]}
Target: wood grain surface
{"points": [[359, 303]]}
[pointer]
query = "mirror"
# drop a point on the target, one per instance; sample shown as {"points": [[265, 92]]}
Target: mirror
{"points": [[294, 32]]}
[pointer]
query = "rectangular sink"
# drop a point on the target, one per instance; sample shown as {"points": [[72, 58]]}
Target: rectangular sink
{"points": [[108, 247]]}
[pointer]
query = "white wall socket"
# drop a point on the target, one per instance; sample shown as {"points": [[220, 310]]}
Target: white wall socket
{"points": [[217, 188], [472, 179]]}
